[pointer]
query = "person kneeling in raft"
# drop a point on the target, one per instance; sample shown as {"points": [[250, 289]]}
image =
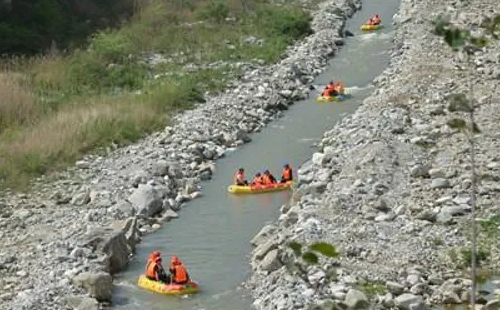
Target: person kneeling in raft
{"points": [[239, 178], [154, 269], [178, 271], [287, 175], [268, 178], [330, 90], [257, 180]]}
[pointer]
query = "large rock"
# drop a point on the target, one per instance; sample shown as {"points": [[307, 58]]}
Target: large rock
{"points": [[98, 285], [261, 251], [408, 301], [132, 233], [113, 243], [146, 200], [271, 261], [356, 300]]}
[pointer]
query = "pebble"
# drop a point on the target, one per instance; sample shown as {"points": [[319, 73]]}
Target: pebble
{"points": [[88, 219], [399, 198]]}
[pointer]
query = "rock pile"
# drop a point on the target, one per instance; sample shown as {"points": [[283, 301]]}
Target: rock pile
{"points": [[70, 234], [390, 184]]}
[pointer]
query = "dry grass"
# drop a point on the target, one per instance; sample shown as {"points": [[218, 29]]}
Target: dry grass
{"points": [[54, 109], [17, 103], [71, 131]]}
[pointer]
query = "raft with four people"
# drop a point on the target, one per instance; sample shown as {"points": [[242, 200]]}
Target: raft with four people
{"points": [[262, 183]]}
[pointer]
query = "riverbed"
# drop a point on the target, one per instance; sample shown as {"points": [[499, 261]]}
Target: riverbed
{"points": [[212, 236]]}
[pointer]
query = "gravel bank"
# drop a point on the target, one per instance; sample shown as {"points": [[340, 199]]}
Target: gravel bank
{"points": [[60, 244], [390, 184]]}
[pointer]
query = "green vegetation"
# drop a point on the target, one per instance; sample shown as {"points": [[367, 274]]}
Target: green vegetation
{"points": [[372, 289], [31, 27], [55, 108], [305, 257]]}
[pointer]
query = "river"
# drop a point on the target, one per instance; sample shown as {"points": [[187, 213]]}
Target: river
{"points": [[212, 234]]}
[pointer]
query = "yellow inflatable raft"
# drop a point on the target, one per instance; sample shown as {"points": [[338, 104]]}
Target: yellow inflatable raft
{"points": [[167, 289], [371, 27], [338, 98], [257, 189]]}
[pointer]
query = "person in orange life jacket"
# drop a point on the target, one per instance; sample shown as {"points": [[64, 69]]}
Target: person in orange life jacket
{"points": [[178, 271], [369, 22], [239, 178], [287, 175], [152, 257], [376, 20], [332, 87], [257, 180], [326, 92], [155, 272], [268, 178]]}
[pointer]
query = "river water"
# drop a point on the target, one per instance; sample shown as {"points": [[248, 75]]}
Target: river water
{"points": [[212, 233]]}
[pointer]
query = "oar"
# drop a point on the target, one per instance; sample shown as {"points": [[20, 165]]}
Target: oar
{"points": [[317, 88]]}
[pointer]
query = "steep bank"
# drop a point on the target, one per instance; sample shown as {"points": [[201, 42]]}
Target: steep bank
{"points": [[390, 185], [57, 237]]}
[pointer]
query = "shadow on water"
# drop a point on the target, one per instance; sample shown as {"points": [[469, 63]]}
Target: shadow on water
{"points": [[212, 234]]}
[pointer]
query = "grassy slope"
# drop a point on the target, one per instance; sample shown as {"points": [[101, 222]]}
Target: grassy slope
{"points": [[54, 109]]}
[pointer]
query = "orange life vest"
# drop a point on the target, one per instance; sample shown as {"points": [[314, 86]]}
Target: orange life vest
{"points": [[151, 271], [369, 22], [180, 274], [376, 20], [257, 180], [287, 174], [266, 179], [326, 93]]}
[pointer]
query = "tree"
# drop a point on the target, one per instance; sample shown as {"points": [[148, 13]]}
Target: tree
{"points": [[461, 41]]}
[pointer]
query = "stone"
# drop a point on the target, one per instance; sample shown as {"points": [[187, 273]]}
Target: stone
{"points": [[405, 300], [271, 261], [81, 198], [263, 235], [82, 303], [160, 168], [261, 251], [111, 242], [440, 183], [146, 200], [493, 304], [98, 285], [356, 300], [82, 164], [394, 288], [123, 208]]}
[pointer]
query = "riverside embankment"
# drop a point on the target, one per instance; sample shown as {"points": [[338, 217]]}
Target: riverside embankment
{"points": [[76, 231], [390, 185], [213, 233]]}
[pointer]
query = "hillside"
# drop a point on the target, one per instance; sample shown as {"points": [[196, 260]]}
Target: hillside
{"points": [[128, 81]]}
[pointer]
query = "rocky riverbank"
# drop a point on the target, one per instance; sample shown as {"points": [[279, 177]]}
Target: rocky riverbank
{"points": [[390, 184], [61, 243]]}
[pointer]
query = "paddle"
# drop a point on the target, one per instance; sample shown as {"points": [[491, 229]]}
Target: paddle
{"points": [[320, 89]]}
